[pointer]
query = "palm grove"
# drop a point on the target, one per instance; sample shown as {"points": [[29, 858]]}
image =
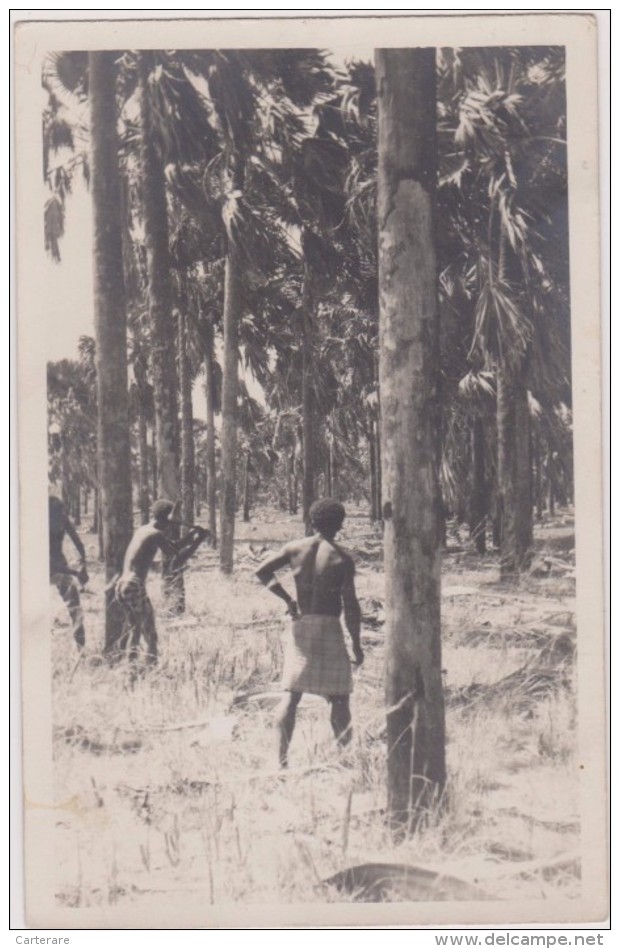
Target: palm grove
{"points": [[384, 250]]}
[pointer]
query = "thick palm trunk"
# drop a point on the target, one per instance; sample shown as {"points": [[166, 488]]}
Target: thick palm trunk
{"points": [[246, 486], [478, 502], [110, 329], [538, 484], [232, 313], [372, 457], [95, 526], [139, 369], [154, 463], [329, 481], [162, 336], [290, 482], [143, 463], [513, 470], [378, 483], [409, 377], [210, 409], [308, 408], [187, 425]]}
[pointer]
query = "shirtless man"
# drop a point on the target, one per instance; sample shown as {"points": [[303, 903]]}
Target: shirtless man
{"points": [[130, 588], [61, 574], [316, 659]]}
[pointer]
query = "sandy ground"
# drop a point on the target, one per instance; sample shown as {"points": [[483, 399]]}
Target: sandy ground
{"points": [[169, 784]]}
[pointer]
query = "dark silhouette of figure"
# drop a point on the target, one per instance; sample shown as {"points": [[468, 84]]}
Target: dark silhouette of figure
{"points": [[61, 575]]}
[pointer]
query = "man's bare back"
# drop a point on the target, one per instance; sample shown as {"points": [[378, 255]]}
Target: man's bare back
{"points": [[323, 573], [143, 546]]}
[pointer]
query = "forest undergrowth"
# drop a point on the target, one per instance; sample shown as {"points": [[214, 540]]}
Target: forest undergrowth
{"points": [[169, 784]]}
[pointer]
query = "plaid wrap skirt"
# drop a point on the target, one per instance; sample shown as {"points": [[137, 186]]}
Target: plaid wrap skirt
{"points": [[316, 658]]}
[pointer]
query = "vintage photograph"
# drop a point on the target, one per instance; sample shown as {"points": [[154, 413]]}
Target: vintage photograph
{"points": [[311, 603]]}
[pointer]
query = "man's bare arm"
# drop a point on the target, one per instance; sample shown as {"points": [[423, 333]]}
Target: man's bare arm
{"points": [[182, 549], [352, 611], [266, 574], [188, 545]]}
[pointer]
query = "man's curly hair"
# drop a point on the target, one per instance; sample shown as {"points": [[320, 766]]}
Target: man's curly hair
{"points": [[327, 515]]}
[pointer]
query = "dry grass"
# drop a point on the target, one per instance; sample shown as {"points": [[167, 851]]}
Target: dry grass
{"points": [[165, 786]]}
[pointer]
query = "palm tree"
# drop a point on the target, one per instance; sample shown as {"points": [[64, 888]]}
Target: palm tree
{"points": [[409, 376], [505, 112], [162, 336], [110, 326]]}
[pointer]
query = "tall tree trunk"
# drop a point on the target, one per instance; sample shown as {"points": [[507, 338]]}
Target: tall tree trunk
{"points": [[478, 502], [154, 472], [308, 408], [409, 374], [162, 336], [230, 386], [210, 409], [295, 484], [95, 528], [372, 456], [110, 329], [538, 485], [139, 369], [329, 481], [86, 493], [187, 425], [551, 485], [290, 482], [377, 430], [143, 462], [246, 486], [513, 470], [378, 483]]}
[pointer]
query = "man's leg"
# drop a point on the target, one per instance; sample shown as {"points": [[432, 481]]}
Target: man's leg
{"points": [[340, 718], [129, 598], [285, 722], [69, 591], [150, 631]]}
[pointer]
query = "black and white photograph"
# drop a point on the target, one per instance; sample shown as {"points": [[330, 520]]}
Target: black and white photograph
{"points": [[309, 382]]}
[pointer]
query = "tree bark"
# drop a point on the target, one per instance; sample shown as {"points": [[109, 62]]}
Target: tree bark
{"points": [[162, 336], [551, 480], [329, 483], [307, 386], [478, 503], [187, 425], [110, 329], [143, 446], [513, 470], [246, 486], [290, 482], [210, 410], [372, 455], [230, 386], [409, 373], [538, 488], [95, 528], [378, 483]]}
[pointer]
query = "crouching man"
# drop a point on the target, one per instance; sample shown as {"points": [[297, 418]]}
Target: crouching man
{"points": [[130, 587], [316, 658]]}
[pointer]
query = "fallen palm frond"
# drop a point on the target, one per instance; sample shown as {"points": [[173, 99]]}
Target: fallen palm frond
{"points": [[391, 882]]}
